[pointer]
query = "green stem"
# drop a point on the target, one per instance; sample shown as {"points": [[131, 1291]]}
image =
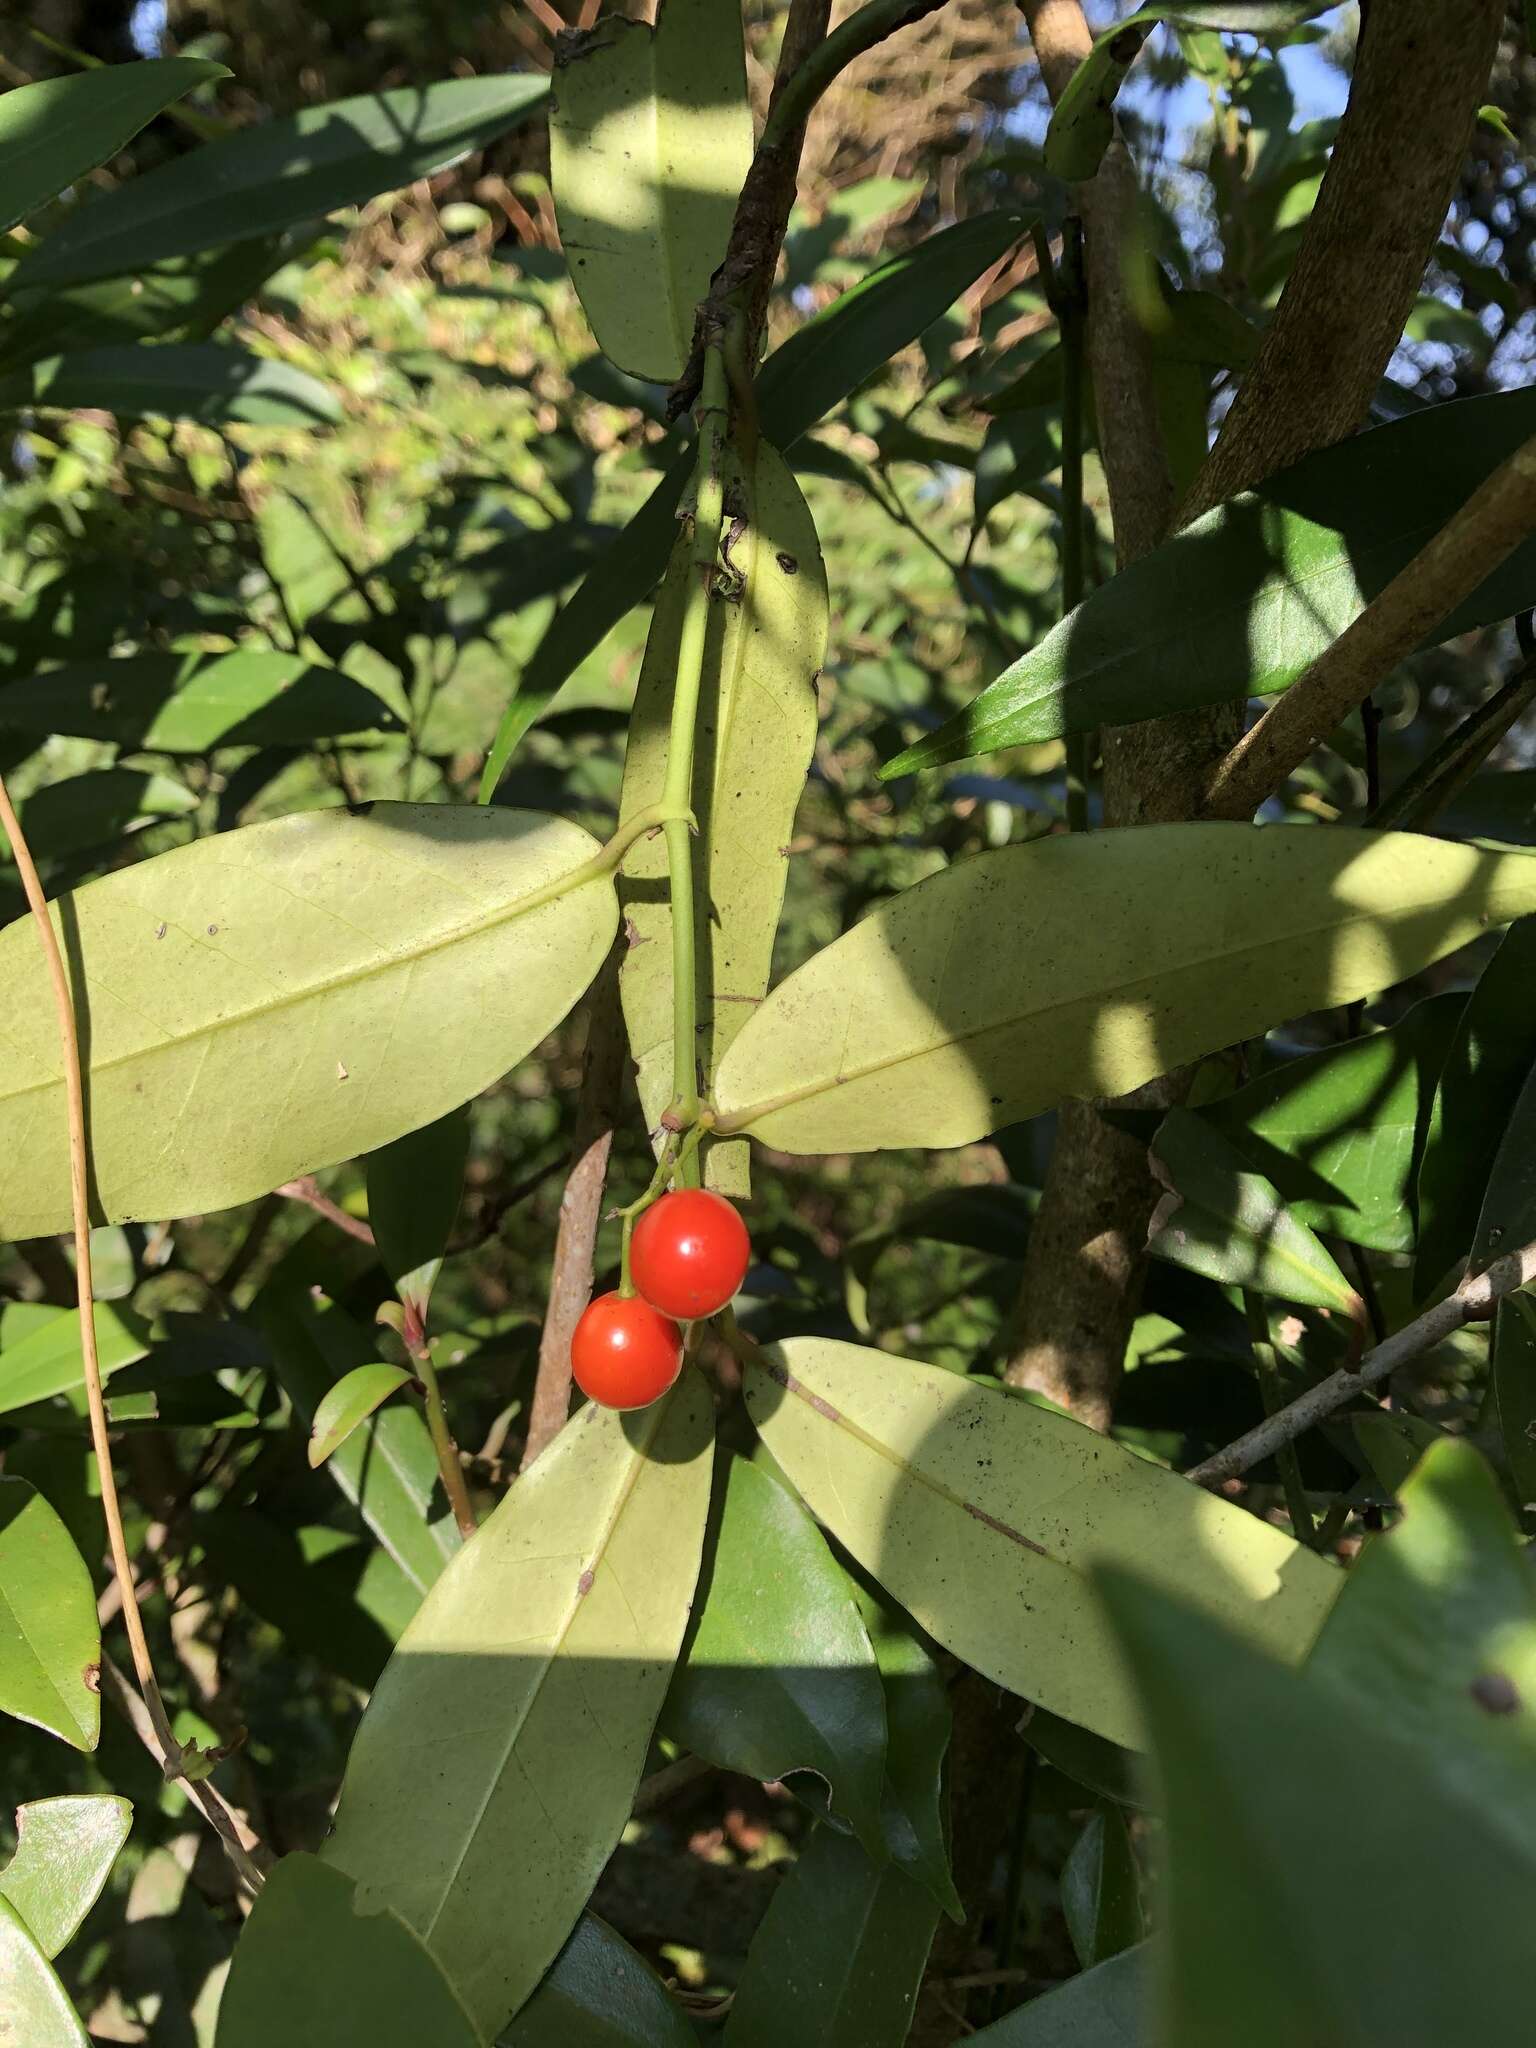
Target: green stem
{"points": [[861, 32], [1273, 1397], [676, 795], [449, 1464], [1070, 311]]}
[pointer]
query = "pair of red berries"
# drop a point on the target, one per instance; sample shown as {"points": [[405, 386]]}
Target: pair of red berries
{"points": [[687, 1258]]}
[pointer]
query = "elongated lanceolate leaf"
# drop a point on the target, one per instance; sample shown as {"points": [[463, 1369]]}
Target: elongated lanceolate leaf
{"points": [[1087, 964], [1082, 126], [192, 703], [65, 1849], [53, 132], [34, 2006], [1241, 601], [175, 381], [984, 1515], [348, 1404], [1513, 1391], [650, 139], [753, 740], [314, 1968], [46, 1360], [50, 1645], [510, 1728], [820, 364], [599, 1994], [277, 173], [271, 1000]]}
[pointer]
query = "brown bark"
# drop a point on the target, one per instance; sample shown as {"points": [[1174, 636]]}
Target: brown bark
{"points": [[570, 1276], [1419, 75]]}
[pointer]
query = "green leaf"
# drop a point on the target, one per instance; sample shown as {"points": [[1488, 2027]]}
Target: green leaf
{"points": [[918, 1723], [36, 2009], [415, 1186], [335, 1597], [1259, 1764], [820, 364], [65, 1850], [983, 1513], [1101, 1889], [315, 1966], [839, 1956], [992, 1219], [778, 1674], [50, 1646], [538, 1663], [348, 1404], [192, 703], [1127, 954], [599, 1994], [1514, 1391], [216, 385], [1105, 2007], [1491, 1055], [271, 1000], [277, 173], [1242, 600], [46, 1360], [1337, 1131], [754, 736], [90, 810], [650, 141], [53, 132], [1221, 1219], [387, 1467], [1393, 1444], [1507, 1218], [1083, 125]]}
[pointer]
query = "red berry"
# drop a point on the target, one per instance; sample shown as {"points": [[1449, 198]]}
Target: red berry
{"points": [[689, 1253], [624, 1354]]}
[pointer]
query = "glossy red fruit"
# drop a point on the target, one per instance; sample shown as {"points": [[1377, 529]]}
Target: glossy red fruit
{"points": [[689, 1253], [625, 1354]]}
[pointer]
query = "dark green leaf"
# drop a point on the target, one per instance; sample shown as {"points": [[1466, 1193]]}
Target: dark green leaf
{"points": [[1221, 1219], [1101, 1889], [311, 1970], [1514, 1391], [414, 1190], [599, 1994], [348, 1404], [917, 1719], [192, 703], [1491, 1055], [85, 811], [55, 131], [1105, 2007], [65, 1849], [337, 1598], [1103, 1767], [50, 1645], [778, 1674], [839, 1957], [1393, 1444], [1507, 1219], [34, 2007], [1337, 1131], [1243, 599], [175, 381], [277, 173]]}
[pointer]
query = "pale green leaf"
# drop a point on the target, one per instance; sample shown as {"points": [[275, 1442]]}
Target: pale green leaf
{"points": [[50, 1645], [53, 132], [984, 1514], [349, 1403], [650, 140], [192, 703], [35, 2011], [65, 1849], [317, 1967], [46, 1360], [212, 383], [279, 172], [1240, 602], [508, 1733], [1086, 964], [753, 741], [599, 1994], [839, 1956], [271, 1000]]}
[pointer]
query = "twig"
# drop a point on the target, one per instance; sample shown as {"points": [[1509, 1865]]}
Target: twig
{"points": [[306, 1190], [1437, 779], [241, 1843], [1472, 1302], [1487, 528], [1067, 290], [171, 1751], [570, 1279]]}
